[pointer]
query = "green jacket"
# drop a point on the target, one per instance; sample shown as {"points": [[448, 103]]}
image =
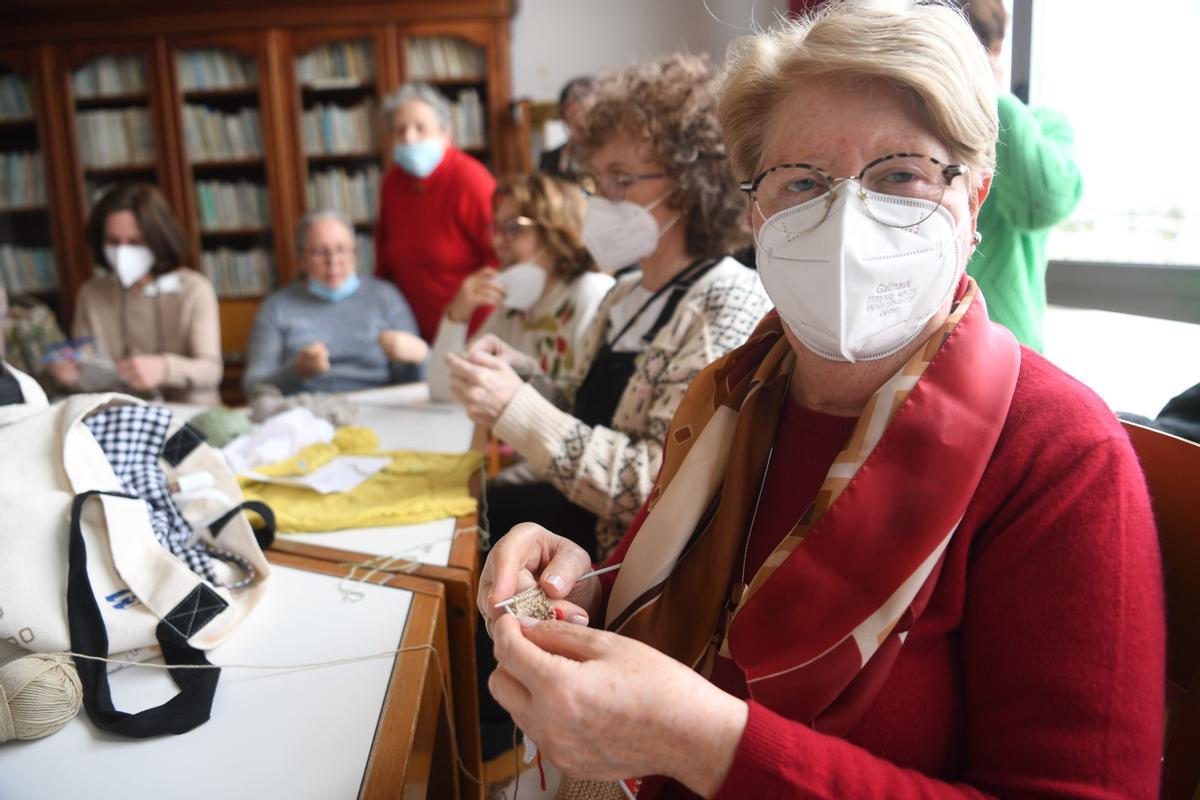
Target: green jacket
{"points": [[1036, 186]]}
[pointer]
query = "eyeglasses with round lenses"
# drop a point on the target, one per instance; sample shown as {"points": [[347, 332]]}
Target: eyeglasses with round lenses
{"points": [[910, 176], [612, 185], [508, 228]]}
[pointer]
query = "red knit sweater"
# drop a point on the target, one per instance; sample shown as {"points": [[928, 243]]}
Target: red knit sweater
{"points": [[433, 232], [1037, 668]]}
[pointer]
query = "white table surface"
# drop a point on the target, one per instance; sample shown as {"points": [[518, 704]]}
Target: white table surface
{"points": [[1135, 364], [271, 735], [405, 419]]}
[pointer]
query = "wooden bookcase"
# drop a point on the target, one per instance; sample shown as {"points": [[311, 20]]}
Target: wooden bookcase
{"points": [[245, 113]]}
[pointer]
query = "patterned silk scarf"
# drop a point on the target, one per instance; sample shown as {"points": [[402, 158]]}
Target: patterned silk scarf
{"points": [[820, 624]]}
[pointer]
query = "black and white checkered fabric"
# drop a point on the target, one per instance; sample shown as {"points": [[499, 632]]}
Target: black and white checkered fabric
{"points": [[132, 439]]}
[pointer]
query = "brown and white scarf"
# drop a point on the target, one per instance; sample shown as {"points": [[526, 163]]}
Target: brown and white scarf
{"points": [[819, 626]]}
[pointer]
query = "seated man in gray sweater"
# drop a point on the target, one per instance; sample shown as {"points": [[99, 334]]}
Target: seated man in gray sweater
{"points": [[332, 331]]}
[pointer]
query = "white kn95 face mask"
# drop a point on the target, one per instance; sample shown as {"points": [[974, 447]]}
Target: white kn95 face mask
{"points": [[853, 288], [130, 262], [618, 234], [523, 283]]}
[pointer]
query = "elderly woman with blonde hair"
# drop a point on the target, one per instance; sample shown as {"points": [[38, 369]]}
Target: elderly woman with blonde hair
{"points": [[890, 551]]}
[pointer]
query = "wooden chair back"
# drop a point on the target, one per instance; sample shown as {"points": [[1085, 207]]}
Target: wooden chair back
{"points": [[1172, 467]]}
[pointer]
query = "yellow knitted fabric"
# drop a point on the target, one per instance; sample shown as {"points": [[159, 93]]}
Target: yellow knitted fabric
{"points": [[416, 487]]}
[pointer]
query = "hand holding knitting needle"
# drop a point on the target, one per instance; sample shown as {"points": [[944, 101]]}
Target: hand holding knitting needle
{"points": [[528, 555], [606, 707]]}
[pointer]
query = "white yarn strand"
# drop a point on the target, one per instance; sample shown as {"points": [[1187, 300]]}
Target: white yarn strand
{"points": [[437, 660]]}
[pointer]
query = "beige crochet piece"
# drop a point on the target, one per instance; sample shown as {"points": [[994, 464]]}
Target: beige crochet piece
{"points": [[534, 603]]}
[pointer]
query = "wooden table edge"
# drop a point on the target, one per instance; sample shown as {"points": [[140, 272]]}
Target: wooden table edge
{"points": [[412, 709]]}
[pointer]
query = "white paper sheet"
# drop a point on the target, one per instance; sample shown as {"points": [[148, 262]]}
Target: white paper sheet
{"points": [[341, 474]]}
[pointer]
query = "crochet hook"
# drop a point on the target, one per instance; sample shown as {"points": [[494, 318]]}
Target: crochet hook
{"points": [[583, 577]]}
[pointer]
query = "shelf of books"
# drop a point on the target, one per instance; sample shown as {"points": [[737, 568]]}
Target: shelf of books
{"points": [[27, 263], [339, 85], [226, 179], [458, 68], [114, 123]]}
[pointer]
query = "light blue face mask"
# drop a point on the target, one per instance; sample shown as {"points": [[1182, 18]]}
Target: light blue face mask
{"points": [[347, 288], [421, 158]]}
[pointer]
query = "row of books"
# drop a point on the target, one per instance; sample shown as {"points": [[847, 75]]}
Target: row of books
{"points": [[215, 69], [434, 57], [353, 192], [364, 246], [109, 75], [15, 100], [27, 269], [22, 179], [238, 273], [338, 64], [334, 129], [231, 205], [213, 134], [115, 137], [467, 120]]}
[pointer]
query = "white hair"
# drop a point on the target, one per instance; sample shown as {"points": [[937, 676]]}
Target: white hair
{"points": [[418, 91], [308, 220]]}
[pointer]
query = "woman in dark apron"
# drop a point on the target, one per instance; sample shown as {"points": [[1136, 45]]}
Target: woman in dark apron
{"points": [[664, 205]]}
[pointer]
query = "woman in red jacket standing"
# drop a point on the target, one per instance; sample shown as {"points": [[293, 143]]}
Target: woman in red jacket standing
{"points": [[435, 209]]}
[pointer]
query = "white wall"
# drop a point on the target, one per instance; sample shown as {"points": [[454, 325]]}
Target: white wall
{"points": [[555, 40]]}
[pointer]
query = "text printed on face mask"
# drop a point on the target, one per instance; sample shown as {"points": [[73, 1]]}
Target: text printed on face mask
{"points": [[890, 296]]}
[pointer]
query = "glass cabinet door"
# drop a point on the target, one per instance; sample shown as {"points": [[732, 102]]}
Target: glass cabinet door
{"points": [[339, 87], [226, 175], [27, 262], [457, 67], [114, 122]]}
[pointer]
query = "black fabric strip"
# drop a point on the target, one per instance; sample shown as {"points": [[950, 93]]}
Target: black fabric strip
{"points": [[265, 535], [183, 712], [181, 444]]}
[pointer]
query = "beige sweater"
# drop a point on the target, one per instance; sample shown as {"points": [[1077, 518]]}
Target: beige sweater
{"points": [[610, 471], [181, 322]]}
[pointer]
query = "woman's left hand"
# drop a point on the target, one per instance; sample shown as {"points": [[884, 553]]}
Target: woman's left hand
{"points": [[483, 385], [605, 707], [403, 347], [143, 373]]}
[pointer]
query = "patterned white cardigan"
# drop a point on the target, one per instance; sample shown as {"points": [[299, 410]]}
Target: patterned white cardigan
{"points": [[610, 471]]}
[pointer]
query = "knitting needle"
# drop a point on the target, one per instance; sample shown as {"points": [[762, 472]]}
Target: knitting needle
{"points": [[584, 577]]}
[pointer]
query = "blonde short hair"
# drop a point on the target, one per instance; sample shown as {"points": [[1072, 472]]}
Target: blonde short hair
{"points": [[557, 208], [926, 49]]}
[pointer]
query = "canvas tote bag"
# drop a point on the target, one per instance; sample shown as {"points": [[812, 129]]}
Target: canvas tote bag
{"points": [[81, 568]]}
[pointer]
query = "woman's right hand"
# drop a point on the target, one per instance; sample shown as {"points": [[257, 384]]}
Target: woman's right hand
{"points": [[480, 288], [522, 363], [528, 555], [312, 360], [65, 371]]}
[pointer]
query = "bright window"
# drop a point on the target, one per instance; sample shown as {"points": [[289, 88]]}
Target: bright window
{"points": [[1125, 75]]}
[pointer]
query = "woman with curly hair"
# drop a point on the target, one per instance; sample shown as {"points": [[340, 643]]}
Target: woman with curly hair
{"points": [[548, 291], [665, 212]]}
